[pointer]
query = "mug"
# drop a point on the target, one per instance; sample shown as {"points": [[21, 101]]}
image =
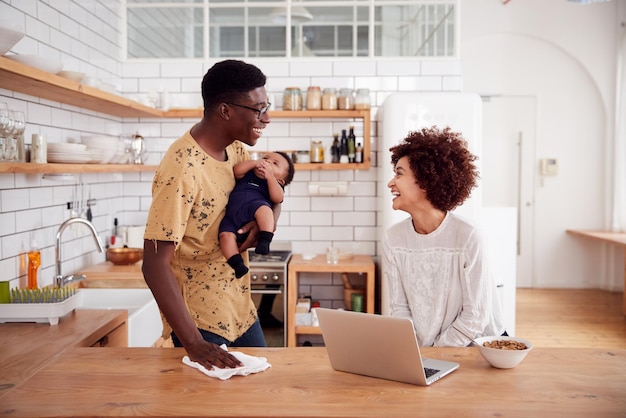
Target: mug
{"points": [[132, 236], [357, 302]]}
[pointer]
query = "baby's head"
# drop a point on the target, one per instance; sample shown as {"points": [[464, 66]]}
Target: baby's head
{"points": [[282, 166]]}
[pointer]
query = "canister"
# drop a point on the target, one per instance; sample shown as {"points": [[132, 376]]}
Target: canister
{"points": [[362, 99], [313, 98], [292, 99], [317, 152], [302, 157], [345, 100], [39, 150], [329, 99]]}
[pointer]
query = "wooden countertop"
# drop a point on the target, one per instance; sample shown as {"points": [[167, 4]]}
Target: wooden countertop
{"points": [[154, 382], [607, 237], [26, 347], [109, 275], [617, 238]]}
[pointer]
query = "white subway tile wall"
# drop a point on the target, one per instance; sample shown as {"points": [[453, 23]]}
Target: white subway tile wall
{"points": [[84, 35]]}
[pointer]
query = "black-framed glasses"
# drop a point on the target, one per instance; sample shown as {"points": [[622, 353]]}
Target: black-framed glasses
{"points": [[260, 112]]}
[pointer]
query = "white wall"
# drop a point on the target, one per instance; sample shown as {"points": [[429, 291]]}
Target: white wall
{"points": [[80, 34], [565, 57]]}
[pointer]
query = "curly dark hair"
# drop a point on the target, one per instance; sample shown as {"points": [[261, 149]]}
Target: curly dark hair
{"points": [[442, 165], [291, 171], [229, 80]]}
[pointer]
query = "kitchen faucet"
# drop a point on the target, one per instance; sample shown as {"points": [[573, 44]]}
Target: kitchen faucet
{"points": [[59, 279]]}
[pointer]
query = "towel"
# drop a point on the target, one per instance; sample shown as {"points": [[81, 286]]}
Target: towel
{"points": [[251, 364]]}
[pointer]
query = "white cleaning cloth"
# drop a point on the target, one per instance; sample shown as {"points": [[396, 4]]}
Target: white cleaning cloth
{"points": [[251, 364]]}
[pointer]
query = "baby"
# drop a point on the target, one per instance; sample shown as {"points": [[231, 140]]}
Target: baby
{"points": [[260, 186]]}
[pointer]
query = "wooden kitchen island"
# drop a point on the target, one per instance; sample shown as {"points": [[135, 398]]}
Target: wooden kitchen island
{"points": [[85, 382]]}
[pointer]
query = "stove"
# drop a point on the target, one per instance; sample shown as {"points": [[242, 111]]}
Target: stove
{"points": [[268, 282], [269, 268]]}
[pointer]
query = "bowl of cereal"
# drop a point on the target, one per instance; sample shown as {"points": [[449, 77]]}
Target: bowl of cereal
{"points": [[503, 352]]}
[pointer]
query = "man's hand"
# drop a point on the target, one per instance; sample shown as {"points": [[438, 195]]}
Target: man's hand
{"points": [[209, 355], [252, 229]]}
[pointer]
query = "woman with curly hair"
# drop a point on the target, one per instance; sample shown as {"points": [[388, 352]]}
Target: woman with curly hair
{"points": [[434, 260]]}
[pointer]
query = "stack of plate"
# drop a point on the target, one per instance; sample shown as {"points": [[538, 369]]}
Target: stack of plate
{"points": [[71, 153]]}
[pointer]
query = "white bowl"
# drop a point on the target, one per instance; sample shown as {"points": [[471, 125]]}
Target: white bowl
{"points": [[72, 75], [49, 65], [106, 145], [65, 147], [100, 141], [10, 34], [501, 358]]}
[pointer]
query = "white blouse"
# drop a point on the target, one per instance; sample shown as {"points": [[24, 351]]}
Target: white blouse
{"points": [[439, 280]]}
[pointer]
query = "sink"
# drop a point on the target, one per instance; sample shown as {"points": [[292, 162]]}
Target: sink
{"points": [[144, 318]]}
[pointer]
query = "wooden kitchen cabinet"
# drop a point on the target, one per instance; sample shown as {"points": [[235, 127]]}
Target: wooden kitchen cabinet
{"points": [[357, 264], [24, 79], [118, 337]]}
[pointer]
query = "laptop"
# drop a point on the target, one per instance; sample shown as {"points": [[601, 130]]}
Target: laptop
{"points": [[378, 346]]}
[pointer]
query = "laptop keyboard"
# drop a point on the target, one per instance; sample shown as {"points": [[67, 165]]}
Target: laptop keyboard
{"points": [[430, 372]]}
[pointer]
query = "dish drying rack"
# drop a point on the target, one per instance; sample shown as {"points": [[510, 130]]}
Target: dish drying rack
{"points": [[39, 305]]}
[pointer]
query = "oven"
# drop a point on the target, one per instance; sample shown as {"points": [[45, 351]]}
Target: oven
{"points": [[268, 280]]}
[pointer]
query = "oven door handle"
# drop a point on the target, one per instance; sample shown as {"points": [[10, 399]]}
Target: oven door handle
{"points": [[266, 291]]}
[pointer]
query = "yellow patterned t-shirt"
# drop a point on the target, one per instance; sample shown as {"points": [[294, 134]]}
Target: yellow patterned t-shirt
{"points": [[190, 191]]}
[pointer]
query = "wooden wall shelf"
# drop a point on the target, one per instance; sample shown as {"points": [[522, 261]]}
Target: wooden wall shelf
{"points": [[53, 168], [308, 114], [27, 80]]}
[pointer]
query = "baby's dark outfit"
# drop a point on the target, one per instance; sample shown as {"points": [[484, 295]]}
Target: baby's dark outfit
{"points": [[250, 193]]}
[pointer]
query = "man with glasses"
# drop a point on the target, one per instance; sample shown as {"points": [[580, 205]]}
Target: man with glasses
{"points": [[202, 302]]}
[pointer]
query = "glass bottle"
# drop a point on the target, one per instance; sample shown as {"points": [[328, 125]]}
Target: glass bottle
{"points": [[34, 261], [329, 99], [335, 150], [343, 146], [359, 153], [313, 98], [351, 145], [292, 99]]}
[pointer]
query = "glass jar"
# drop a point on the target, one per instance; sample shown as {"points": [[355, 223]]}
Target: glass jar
{"points": [[362, 99], [313, 98], [329, 99], [345, 100], [317, 152], [292, 98]]}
